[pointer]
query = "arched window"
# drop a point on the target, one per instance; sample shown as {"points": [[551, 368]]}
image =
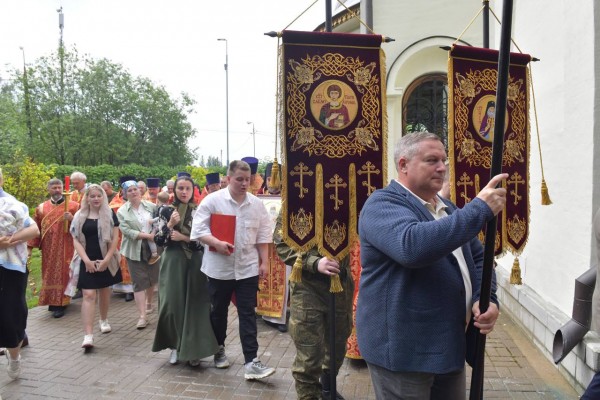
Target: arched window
{"points": [[425, 106]]}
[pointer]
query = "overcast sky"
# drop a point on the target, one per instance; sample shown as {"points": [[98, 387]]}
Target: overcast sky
{"points": [[175, 45]]}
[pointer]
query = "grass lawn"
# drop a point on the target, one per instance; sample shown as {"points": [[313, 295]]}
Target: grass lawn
{"points": [[35, 279]]}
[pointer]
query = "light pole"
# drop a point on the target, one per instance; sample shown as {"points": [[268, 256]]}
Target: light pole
{"points": [[26, 98], [226, 96], [253, 133]]}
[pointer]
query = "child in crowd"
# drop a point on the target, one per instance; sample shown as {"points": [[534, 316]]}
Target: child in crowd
{"points": [[161, 200]]}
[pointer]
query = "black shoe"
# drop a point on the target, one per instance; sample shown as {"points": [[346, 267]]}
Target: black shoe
{"points": [[280, 327], [326, 395], [58, 313], [78, 295], [128, 296]]}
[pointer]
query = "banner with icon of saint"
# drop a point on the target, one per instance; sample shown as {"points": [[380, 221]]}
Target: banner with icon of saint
{"points": [[472, 79], [334, 135]]}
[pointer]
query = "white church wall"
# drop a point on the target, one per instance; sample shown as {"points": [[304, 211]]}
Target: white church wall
{"points": [[558, 250]]}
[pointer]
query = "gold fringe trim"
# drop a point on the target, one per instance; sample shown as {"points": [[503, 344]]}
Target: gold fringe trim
{"points": [[451, 156], [296, 275], [384, 130], [515, 273], [545, 195]]}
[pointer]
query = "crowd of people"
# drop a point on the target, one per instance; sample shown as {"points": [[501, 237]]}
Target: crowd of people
{"points": [[95, 240], [419, 288]]}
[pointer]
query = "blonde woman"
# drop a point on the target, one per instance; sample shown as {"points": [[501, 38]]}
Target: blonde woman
{"points": [[95, 237]]}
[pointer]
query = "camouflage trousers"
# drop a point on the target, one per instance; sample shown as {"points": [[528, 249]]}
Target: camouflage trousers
{"points": [[309, 328]]}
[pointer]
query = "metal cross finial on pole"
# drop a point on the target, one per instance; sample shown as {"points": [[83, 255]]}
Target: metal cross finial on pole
{"points": [[253, 133], [226, 94]]}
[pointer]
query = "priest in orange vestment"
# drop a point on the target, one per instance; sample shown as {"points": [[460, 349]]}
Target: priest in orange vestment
{"points": [[56, 245]]}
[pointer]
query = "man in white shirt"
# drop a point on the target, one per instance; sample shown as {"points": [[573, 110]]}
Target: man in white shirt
{"points": [[235, 267]]}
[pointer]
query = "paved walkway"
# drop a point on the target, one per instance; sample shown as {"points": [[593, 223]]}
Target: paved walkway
{"points": [[121, 365]]}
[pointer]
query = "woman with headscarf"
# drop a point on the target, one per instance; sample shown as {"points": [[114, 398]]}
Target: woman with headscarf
{"points": [[95, 231], [134, 216], [184, 315]]}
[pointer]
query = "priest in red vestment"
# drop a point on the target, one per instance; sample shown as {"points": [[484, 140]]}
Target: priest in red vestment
{"points": [[56, 245]]}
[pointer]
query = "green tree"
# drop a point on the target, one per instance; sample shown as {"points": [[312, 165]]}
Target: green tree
{"points": [[27, 180], [12, 129], [85, 111], [213, 162]]}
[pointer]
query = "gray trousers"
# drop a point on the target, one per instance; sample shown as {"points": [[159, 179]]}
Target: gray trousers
{"points": [[390, 385]]}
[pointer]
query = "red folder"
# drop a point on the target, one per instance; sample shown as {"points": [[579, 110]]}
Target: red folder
{"points": [[222, 226]]}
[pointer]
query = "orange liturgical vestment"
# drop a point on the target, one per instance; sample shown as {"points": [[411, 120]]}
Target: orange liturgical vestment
{"points": [[56, 245]]}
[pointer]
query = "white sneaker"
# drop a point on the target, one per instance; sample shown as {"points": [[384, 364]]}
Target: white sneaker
{"points": [[257, 370], [221, 360], [105, 326], [88, 342], [14, 366], [173, 359]]}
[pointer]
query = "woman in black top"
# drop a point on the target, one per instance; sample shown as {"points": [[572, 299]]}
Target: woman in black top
{"points": [[95, 236]]}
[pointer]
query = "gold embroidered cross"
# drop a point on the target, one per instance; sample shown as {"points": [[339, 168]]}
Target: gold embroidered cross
{"points": [[301, 170], [336, 183], [465, 181], [515, 179], [368, 169]]}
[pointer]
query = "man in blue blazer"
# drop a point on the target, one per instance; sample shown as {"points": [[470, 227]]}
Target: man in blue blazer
{"points": [[421, 275]]}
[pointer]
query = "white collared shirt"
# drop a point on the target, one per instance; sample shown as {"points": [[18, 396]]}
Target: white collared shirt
{"points": [[252, 227], [438, 210]]}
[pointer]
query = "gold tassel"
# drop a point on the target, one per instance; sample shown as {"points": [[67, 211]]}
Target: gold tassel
{"points": [[515, 273], [296, 275], [274, 182], [336, 284], [545, 195]]}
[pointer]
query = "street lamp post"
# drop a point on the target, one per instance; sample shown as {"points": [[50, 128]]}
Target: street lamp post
{"points": [[253, 133], [27, 105], [226, 96]]}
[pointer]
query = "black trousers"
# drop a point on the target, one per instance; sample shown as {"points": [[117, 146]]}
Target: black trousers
{"points": [[13, 307], [220, 292]]}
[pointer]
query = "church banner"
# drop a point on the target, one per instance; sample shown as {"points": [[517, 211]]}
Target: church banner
{"points": [[472, 78], [334, 136], [272, 294]]}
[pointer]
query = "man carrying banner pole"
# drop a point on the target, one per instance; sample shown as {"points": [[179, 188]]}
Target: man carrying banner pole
{"points": [[422, 262]]}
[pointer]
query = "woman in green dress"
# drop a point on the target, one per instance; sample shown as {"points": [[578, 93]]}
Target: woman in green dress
{"points": [[184, 311]]}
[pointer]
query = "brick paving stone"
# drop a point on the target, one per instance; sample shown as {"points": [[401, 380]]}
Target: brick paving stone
{"points": [[122, 365]]}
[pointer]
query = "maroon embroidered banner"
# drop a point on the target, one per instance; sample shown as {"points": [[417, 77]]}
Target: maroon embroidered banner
{"points": [[472, 78], [333, 136]]}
